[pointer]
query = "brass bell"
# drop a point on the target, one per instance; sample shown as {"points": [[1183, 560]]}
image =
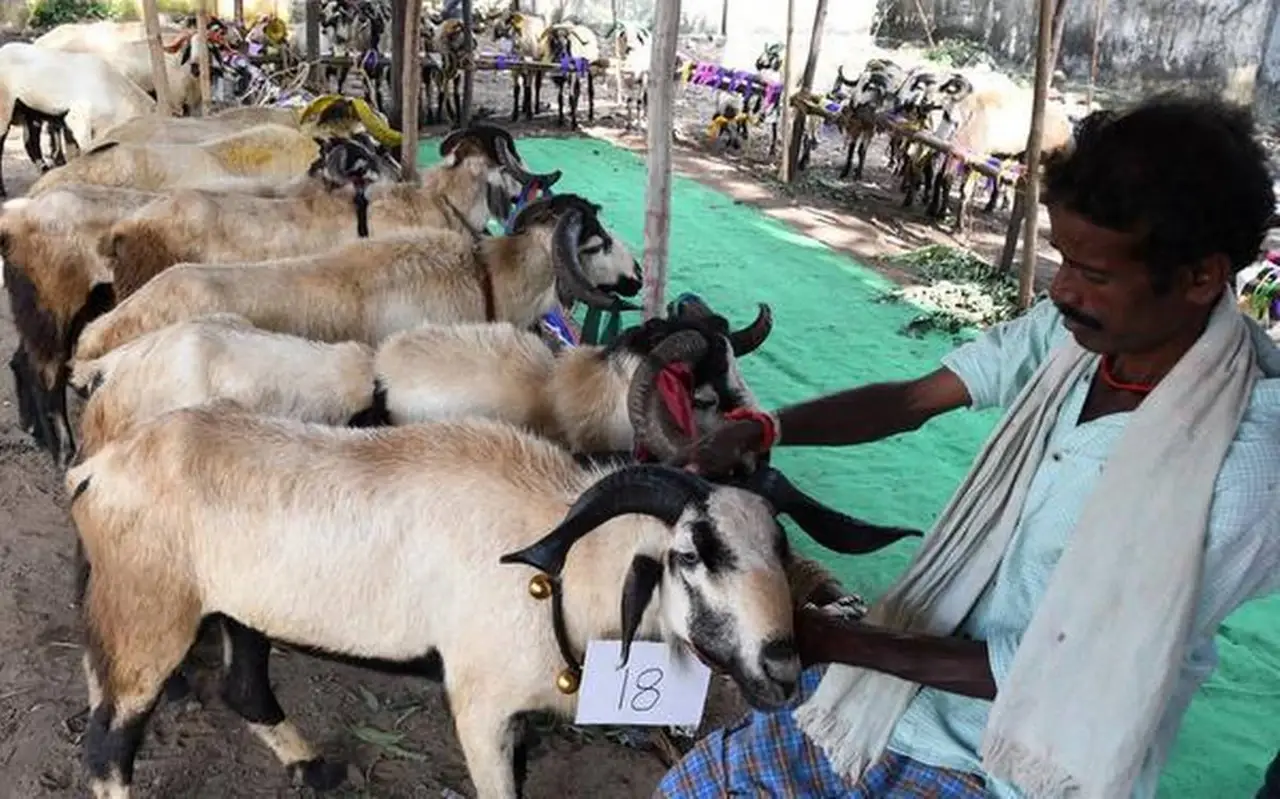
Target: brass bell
{"points": [[567, 682], [540, 586]]}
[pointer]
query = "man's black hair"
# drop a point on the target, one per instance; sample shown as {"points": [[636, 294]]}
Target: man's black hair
{"points": [[1184, 174]]}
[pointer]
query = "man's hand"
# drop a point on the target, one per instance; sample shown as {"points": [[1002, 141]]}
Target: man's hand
{"points": [[722, 449]]}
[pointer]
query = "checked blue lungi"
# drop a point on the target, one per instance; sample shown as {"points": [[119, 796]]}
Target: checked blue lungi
{"points": [[766, 755]]}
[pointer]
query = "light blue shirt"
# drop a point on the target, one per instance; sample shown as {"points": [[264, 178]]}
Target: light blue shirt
{"points": [[1242, 559]]}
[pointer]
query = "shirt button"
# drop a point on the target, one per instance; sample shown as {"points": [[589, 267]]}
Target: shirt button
{"points": [[1057, 456]]}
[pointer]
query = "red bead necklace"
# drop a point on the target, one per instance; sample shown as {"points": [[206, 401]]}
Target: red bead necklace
{"points": [[1109, 378]]}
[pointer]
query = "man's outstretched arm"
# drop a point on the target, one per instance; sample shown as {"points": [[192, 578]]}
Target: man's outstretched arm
{"points": [[957, 665]]}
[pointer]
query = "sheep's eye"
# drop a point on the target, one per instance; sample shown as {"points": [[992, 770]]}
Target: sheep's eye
{"points": [[686, 560], [594, 249], [705, 403]]}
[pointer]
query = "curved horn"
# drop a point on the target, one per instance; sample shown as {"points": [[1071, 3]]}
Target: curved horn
{"points": [[834, 530], [654, 426], [662, 492], [508, 158], [749, 338], [568, 267]]}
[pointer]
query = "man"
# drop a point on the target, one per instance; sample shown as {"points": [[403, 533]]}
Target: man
{"points": [[1137, 462]]}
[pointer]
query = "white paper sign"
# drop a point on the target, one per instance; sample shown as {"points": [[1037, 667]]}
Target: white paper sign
{"points": [[655, 687]]}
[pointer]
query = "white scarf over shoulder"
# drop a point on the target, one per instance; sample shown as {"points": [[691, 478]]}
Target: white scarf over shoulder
{"points": [[1094, 670]]}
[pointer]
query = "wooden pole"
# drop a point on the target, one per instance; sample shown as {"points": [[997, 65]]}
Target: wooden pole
{"points": [[657, 214], [789, 117], [469, 73], [151, 17], [806, 84], [202, 41], [238, 10], [410, 92], [1059, 28], [1016, 219], [1044, 69], [311, 19], [1099, 9]]}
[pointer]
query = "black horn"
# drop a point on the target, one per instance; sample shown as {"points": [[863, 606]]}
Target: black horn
{"points": [[749, 338], [662, 492], [834, 530], [655, 428], [508, 158]]}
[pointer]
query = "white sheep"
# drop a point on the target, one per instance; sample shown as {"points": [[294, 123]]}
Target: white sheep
{"points": [[580, 397], [124, 45], [476, 179], [388, 545], [371, 288], [633, 51], [87, 92], [267, 150], [220, 356], [521, 34]]}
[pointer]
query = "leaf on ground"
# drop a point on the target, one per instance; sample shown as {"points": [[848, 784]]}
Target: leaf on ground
{"points": [[370, 699]]}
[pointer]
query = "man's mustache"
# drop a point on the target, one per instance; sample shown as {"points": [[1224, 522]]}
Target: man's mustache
{"points": [[1078, 317]]}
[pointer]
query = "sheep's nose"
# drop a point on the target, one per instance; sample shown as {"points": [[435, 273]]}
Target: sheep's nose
{"points": [[780, 661]]}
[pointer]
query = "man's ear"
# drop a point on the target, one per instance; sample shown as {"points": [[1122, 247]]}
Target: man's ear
{"points": [[1207, 279]]}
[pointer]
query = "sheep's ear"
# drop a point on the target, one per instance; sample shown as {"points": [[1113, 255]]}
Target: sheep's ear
{"points": [[642, 579]]}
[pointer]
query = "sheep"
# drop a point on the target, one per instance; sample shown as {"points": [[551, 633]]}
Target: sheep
{"points": [[633, 50], [125, 47], [214, 357], [56, 282], [525, 32], [154, 129], [578, 396], [932, 108], [263, 150], [85, 91], [370, 288], [576, 48], [859, 116], [257, 115], [477, 178], [994, 118], [224, 510], [455, 47]]}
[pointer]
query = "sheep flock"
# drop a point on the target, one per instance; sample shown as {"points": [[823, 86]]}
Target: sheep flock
{"points": [[300, 400]]}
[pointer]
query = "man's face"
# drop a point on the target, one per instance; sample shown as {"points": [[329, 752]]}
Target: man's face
{"points": [[1107, 296]]}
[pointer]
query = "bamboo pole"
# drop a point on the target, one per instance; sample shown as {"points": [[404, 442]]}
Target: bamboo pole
{"points": [[469, 73], [1019, 205], [806, 83], [151, 18], [202, 42], [1099, 10], [311, 19], [789, 117], [1044, 69], [657, 215], [410, 92]]}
